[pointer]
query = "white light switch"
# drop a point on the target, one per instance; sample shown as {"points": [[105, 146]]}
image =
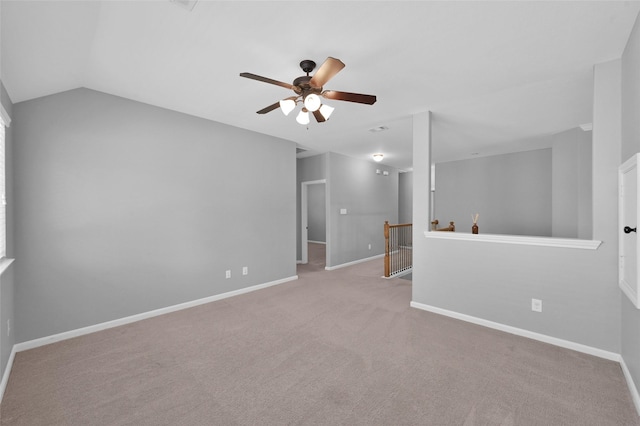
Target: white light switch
{"points": [[343, 211]]}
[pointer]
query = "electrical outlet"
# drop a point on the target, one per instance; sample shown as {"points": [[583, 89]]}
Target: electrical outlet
{"points": [[536, 305], [8, 327], [228, 273], [245, 270], [369, 246]]}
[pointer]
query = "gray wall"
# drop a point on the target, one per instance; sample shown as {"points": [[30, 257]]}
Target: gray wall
{"points": [[7, 279], [369, 198], [405, 197], [317, 213], [571, 185], [630, 146], [496, 282], [511, 193], [307, 169], [125, 208]]}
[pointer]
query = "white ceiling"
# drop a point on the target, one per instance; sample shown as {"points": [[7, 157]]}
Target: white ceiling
{"points": [[491, 72]]}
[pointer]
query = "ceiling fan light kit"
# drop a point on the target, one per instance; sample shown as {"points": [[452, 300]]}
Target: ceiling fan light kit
{"points": [[303, 117], [309, 89], [312, 102], [287, 105], [326, 111]]}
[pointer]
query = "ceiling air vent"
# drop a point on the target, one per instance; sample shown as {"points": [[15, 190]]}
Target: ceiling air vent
{"points": [[185, 4]]}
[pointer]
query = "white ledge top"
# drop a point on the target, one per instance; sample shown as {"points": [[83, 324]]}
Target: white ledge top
{"points": [[4, 264], [516, 239]]}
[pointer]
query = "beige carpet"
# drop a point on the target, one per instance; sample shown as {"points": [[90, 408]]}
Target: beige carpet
{"points": [[316, 258], [336, 347]]}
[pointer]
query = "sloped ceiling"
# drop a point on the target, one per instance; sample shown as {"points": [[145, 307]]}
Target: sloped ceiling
{"points": [[491, 72]]}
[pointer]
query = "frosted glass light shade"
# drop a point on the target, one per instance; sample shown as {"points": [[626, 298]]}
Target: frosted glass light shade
{"points": [[377, 157], [303, 118], [312, 102], [287, 105], [326, 111]]}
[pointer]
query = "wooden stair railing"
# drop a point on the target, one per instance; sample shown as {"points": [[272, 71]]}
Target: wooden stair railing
{"points": [[398, 248]]}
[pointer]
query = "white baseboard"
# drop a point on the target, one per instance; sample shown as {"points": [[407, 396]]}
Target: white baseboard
{"points": [[355, 262], [31, 344], [631, 384], [7, 372], [612, 356], [19, 347]]}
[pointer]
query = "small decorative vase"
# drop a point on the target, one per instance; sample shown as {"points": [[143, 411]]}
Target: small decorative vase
{"points": [[474, 228]]}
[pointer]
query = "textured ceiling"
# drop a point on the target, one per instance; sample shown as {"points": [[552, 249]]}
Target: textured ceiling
{"points": [[491, 72]]}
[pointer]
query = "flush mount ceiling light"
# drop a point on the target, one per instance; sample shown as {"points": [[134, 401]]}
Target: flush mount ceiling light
{"points": [[309, 91], [378, 157]]}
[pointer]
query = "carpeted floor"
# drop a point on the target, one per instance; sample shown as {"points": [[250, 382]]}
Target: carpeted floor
{"points": [[316, 258], [338, 347]]}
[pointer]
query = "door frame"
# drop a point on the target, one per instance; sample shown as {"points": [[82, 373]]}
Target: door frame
{"points": [[304, 217], [628, 242]]}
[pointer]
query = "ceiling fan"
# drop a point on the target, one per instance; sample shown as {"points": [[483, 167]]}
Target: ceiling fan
{"points": [[309, 89]]}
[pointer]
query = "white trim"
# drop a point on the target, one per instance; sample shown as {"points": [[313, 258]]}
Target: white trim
{"points": [[355, 262], [4, 264], [7, 372], [317, 242], [304, 217], [586, 127], [399, 274], [516, 239], [630, 289], [611, 356], [5, 116], [635, 396], [19, 347]]}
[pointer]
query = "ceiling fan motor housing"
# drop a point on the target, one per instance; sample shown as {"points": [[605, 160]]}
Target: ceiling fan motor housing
{"points": [[302, 87], [301, 84], [307, 65]]}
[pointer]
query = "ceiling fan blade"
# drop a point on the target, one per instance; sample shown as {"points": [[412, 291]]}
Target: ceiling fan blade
{"points": [[266, 80], [349, 97], [319, 117], [329, 68], [269, 108]]}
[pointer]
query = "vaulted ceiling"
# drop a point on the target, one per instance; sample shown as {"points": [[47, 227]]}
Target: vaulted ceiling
{"points": [[491, 72]]}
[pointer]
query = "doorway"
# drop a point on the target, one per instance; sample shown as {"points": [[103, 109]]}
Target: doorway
{"points": [[313, 232]]}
